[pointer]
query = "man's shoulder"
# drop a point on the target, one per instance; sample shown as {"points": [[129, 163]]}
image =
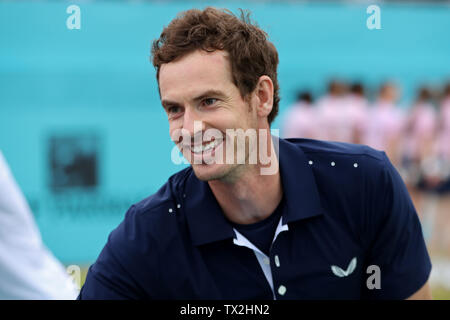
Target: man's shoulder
{"points": [[333, 148], [154, 217], [355, 168], [324, 155], [166, 195]]}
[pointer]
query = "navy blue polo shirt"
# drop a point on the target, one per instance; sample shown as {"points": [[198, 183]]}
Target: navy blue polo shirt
{"points": [[346, 210]]}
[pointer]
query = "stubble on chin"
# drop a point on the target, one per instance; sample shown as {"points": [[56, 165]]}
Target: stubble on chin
{"points": [[225, 174]]}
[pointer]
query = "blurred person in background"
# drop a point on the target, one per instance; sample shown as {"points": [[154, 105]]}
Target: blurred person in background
{"points": [[28, 270], [335, 124], [385, 123], [443, 152], [356, 108], [419, 135], [442, 146], [434, 180], [417, 147], [300, 120]]}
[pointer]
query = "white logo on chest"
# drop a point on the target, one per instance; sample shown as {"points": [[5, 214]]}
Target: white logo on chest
{"points": [[344, 273]]}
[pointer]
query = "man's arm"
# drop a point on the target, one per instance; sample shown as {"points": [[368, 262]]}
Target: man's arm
{"points": [[28, 269], [123, 269], [397, 245]]}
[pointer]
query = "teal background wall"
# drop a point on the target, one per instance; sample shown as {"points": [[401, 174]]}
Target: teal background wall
{"points": [[99, 79]]}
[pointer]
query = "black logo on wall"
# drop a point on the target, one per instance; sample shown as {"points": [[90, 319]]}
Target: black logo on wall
{"points": [[73, 161]]}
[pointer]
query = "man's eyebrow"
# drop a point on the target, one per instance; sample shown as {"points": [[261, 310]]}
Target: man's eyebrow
{"points": [[210, 93], [207, 94], [167, 103]]}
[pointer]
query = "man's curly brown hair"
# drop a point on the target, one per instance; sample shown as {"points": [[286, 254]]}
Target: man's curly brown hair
{"points": [[251, 55]]}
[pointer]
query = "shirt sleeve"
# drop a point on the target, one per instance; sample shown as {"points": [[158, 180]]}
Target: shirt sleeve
{"points": [[397, 246], [28, 269], [110, 277]]}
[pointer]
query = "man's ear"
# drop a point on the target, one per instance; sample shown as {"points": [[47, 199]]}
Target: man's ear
{"points": [[263, 95]]}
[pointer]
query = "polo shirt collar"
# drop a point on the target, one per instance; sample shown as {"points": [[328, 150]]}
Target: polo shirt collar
{"points": [[206, 221], [299, 185], [205, 218]]}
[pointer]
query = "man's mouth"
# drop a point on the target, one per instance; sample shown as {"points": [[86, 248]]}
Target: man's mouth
{"points": [[205, 147]]}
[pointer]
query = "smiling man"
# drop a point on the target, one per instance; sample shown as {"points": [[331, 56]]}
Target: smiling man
{"points": [[226, 229]]}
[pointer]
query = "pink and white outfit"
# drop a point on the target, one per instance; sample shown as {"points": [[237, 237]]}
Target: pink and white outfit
{"points": [[300, 121], [356, 109], [335, 120], [443, 136], [385, 122], [420, 128]]}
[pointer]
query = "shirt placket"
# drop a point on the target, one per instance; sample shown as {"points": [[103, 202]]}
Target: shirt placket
{"points": [[264, 261]]}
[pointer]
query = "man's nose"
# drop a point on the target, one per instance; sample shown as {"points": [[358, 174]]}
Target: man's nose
{"points": [[192, 122]]}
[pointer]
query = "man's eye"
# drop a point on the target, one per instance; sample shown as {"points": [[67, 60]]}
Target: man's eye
{"points": [[209, 101], [173, 109]]}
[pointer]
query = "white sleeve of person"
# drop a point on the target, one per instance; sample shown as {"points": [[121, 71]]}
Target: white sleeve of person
{"points": [[28, 270]]}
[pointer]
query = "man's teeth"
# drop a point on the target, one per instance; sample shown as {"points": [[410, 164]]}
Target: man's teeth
{"points": [[205, 147]]}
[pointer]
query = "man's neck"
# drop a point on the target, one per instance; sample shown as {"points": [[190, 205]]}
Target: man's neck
{"points": [[251, 198]]}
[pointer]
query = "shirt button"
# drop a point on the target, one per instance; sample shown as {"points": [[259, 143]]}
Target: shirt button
{"points": [[266, 260], [277, 261], [281, 290]]}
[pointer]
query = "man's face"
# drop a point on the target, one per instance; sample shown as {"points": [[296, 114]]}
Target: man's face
{"points": [[390, 93], [199, 87]]}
